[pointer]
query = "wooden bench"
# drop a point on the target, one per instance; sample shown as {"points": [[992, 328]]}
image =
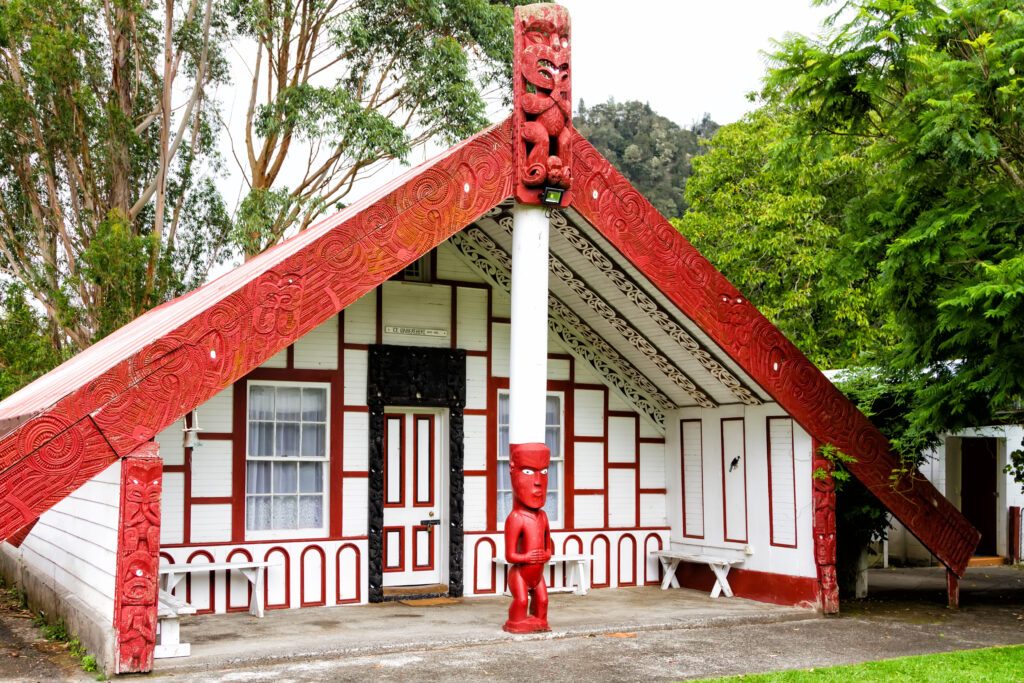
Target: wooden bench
{"points": [[172, 574], [169, 608], [720, 565], [577, 573]]}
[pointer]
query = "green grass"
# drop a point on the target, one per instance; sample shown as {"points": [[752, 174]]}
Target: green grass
{"points": [[976, 666]]}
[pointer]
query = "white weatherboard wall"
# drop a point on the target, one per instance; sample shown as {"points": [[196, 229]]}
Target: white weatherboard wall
{"points": [[698, 434], [942, 468], [73, 547], [617, 459]]}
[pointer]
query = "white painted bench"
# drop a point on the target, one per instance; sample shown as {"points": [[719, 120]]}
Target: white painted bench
{"points": [[172, 574], [169, 608], [720, 565], [577, 573]]}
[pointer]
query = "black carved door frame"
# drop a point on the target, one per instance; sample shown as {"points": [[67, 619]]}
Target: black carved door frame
{"points": [[414, 376]]}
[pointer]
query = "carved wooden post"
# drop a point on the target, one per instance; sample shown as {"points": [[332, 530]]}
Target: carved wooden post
{"points": [[542, 114], [138, 559], [824, 492]]}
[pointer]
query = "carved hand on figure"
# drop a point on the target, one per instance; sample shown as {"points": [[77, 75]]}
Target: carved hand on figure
{"points": [[538, 556]]}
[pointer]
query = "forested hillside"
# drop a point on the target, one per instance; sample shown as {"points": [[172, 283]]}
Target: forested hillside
{"points": [[652, 151]]}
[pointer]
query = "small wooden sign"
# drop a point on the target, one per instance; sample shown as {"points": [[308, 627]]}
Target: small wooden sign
{"points": [[415, 331]]}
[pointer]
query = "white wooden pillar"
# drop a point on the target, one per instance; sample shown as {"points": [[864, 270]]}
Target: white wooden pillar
{"points": [[528, 367]]}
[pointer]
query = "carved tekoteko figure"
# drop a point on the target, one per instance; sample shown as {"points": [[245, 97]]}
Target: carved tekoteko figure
{"points": [[528, 544], [543, 101]]}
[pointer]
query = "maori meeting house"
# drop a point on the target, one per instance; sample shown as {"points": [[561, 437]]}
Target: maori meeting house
{"points": [[337, 412]]}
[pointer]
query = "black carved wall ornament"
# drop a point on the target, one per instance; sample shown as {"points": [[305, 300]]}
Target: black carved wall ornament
{"points": [[415, 376]]}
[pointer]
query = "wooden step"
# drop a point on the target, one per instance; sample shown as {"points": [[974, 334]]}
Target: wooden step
{"points": [[435, 590], [986, 561]]}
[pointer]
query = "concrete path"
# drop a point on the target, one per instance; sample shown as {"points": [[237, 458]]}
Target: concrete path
{"points": [[662, 636], [907, 615], [224, 641]]}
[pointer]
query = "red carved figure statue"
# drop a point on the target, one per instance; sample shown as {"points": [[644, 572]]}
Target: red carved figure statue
{"points": [[528, 544], [543, 108]]}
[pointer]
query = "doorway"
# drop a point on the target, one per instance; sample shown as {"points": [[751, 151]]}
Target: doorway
{"points": [[978, 493], [414, 510], [427, 382]]}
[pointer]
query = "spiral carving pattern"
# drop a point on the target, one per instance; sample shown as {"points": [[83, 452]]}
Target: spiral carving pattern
{"points": [[341, 258]]}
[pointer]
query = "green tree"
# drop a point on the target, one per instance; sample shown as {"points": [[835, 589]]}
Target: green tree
{"points": [[934, 94], [26, 349], [649, 149], [769, 215], [107, 207], [340, 88]]}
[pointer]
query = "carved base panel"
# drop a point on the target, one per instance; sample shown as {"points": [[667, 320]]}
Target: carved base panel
{"points": [[138, 560]]}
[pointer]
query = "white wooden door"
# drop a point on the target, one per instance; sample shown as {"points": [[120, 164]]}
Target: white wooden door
{"points": [[413, 508]]}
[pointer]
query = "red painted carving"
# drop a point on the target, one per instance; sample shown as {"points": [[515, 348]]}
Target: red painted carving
{"points": [[285, 293], [138, 560], [627, 220], [18, 537], [58, 459], [528, 543], [542, 109], [824, 530]]}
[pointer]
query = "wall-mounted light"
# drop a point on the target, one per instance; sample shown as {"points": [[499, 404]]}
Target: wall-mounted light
{"points": [[552, 196]]}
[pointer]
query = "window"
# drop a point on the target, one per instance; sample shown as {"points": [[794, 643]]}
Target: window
{"points": [[553, 439], [286, 454], [418, 270]]}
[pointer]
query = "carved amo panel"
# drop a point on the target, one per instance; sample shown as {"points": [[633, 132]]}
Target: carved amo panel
{"points": [[51, 455], [630, 223], [138, 560], [542, 109], [824, 530]]}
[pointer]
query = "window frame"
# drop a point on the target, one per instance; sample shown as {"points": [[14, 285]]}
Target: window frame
{"points": [[302, 532], [558, 523]]}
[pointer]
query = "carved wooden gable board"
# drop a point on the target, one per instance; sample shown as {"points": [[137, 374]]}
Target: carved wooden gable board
{"points": [[75, 421]]}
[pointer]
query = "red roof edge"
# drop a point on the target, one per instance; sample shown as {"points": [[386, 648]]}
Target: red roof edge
{"points": [[625, 218], [110, 408]]}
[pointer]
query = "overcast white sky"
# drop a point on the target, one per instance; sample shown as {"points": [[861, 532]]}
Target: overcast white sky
{"points": [[684, 57]]}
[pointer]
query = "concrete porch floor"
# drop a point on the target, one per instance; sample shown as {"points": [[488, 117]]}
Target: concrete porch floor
{"points": [[224, 640]]}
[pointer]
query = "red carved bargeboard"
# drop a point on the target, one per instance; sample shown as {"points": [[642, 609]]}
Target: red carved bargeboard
{"points": [[112, 414], [542, 104], [627, 220], [138, 560], [109, 416]]}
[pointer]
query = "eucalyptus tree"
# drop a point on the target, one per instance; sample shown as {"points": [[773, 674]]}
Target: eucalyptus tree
{"points": [[107, 206], [339, 87]]}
